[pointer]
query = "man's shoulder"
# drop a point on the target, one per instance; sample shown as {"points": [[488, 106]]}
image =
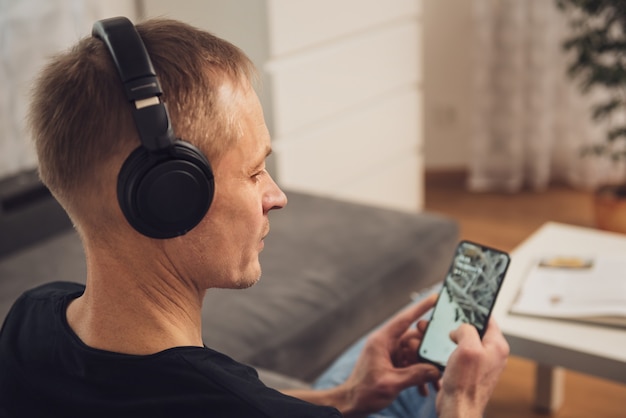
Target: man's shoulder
{"points": [[43, 299], [54, 289]]}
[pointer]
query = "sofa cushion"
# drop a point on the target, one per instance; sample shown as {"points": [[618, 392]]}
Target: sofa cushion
{"points": [[57, 258], [280, 381]]}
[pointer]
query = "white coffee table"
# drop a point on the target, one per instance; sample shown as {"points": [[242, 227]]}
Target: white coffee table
{"points": [[556, 344]]}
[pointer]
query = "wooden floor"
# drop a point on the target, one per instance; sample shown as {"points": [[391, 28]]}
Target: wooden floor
{"points": [[504, 221]]}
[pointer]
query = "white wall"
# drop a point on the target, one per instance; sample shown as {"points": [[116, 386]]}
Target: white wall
{"points": [[447, 59], [240, 22], [342, 89]]}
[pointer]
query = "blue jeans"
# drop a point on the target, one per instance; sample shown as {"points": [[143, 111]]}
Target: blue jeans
{"points": [[409, 402]]}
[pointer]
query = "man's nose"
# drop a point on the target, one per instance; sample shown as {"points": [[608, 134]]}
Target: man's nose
{"points": [[275, 198]]}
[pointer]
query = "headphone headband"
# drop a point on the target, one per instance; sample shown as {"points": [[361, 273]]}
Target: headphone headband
{"points": [[140, 82]]}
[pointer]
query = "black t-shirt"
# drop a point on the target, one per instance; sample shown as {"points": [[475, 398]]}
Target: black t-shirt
{"points": [[46, 370]]}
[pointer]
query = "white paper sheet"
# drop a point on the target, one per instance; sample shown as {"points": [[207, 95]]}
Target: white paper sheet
{"points": [[574, 287]]}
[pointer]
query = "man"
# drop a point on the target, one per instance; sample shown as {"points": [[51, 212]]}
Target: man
{"points": [[129, 343]]}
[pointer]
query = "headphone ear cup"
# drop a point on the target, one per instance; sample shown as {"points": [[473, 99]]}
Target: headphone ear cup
{"points": [[166, 194]]}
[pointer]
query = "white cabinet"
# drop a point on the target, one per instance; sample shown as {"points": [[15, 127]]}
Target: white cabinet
{"points": [[342, 89]]}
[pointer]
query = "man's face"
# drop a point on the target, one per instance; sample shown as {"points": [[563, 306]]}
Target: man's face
{"points": [[227, 243]]}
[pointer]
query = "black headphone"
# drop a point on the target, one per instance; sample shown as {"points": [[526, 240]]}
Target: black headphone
{"points": [[165, 186]]}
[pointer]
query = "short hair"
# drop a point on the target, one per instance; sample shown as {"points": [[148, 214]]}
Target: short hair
{"points": [[80, 118]]}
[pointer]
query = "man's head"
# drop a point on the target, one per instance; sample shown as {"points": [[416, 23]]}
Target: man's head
{"points": [[82, 121], [83, 130]]}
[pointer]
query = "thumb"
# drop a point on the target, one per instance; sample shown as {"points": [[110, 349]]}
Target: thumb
{"points": [[464, 332]]}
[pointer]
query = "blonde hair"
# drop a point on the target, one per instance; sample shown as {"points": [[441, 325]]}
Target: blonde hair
{"points": [[80, 119]]}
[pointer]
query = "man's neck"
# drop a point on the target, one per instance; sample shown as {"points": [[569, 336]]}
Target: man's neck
{"points": [[136, 310]]}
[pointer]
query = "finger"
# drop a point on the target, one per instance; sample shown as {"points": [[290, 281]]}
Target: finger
{"points": [[465, 332], [409, 335], [405, 353], [423, 390], [494, 340], [413, 346], [418, 374], [408, 338], [492, 332], [421, 325], [399, 323]]}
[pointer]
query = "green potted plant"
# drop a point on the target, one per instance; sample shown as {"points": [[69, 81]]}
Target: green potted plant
{"points": [[598, 41]]}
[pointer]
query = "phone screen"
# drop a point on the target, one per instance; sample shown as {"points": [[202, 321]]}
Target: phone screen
{"points": [[467, 296]]}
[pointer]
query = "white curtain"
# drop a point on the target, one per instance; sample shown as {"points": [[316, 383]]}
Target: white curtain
{"points": [[529, 120], [31, 31]]}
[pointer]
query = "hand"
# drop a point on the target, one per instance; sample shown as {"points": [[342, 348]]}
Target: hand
{"points": [[388, 363], [472, 371]]}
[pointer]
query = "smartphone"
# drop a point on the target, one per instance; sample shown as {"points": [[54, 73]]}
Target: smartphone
{"points": [[468, 294]]}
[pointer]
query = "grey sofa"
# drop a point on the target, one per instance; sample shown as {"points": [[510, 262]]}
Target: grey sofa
{"points": [[332, 271]]}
